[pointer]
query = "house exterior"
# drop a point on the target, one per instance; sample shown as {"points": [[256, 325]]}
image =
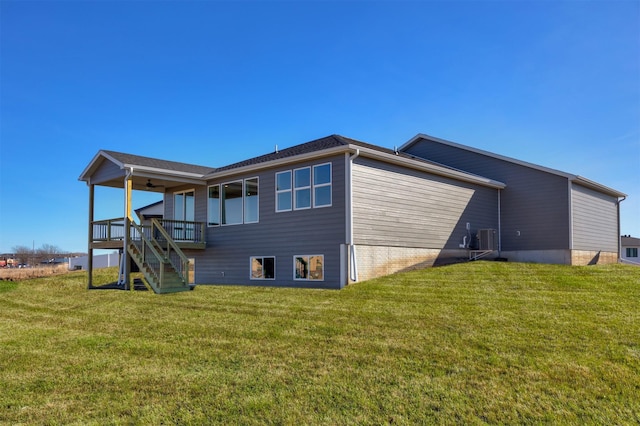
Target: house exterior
{"points": [[547, 215], [336, 210], [630, 249], [154, 210]]}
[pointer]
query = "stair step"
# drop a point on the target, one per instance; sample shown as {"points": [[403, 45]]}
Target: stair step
{"points": [[171, 282]]}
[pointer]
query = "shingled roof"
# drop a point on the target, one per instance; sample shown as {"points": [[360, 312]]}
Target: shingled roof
{"points": [[305, 148], [138, 160], [333, 143], [327, 142]]}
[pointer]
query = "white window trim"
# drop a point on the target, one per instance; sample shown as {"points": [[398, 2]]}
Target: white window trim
{"points": [[310, 188], [290, 190], [244, 197], [184, 191], [241, 204], [322, 185], [308, 256], [219, 206], [185, 232], [262, 257]]}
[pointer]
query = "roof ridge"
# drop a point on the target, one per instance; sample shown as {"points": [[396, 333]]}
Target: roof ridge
{"points": [[302, 148]]}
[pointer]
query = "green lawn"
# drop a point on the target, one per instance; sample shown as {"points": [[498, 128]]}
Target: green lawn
{"points": [[482, 342]]}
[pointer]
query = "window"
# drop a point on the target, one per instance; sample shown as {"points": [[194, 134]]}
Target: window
{"points": [[263, 268], [213, 209], [632, 252], [184, 211], [192, 270], [309, 190], [302, 188], [251, 200], [283, 191], [308, 267], [322, 185], [233, 203], [184, 205]]}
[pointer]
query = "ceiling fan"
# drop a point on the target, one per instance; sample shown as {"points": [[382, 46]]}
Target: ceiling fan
{"points": [[151, 185]]}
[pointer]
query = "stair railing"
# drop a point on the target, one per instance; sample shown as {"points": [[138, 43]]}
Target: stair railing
{"points": [[147, 255], [174, 255]]}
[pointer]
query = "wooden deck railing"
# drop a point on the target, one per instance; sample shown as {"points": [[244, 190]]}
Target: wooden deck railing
{"points": [[183, 231], [112, 230], [108, 230]]}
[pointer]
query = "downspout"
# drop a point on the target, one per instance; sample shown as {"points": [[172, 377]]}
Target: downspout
{"points": [[619, 236], [499, 226], [570, 208], [353, 265]]}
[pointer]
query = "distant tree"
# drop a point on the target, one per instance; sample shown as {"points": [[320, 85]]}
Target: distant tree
{"points": [[22, 254], [47, 252]]}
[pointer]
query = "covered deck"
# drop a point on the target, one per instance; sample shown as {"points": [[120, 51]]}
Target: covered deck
{"points": [[155, 245]]}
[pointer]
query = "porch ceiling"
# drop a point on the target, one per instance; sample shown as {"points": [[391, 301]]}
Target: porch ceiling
{"points": [[146, 182]]}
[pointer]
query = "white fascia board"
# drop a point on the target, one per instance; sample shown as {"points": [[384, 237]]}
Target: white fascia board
{"points": [[141, 170], [371, 153], [597, 186], [278, 162], [138, 172], [571, 177], [431, 168], [84, 176], [486, 153]]}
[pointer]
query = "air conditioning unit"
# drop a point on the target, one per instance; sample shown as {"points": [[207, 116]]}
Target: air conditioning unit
{"points": [[487, 239]]}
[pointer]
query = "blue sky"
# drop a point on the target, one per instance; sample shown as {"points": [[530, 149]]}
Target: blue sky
{"points": [[550, 82]]}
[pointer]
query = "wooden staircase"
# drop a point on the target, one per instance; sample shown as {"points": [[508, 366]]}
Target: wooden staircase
{"points": [[164, 266]]}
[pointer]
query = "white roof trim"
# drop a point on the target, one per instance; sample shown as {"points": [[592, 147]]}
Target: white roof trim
{"points": [[85, 172], [597, 186], [571, 177], [488, 154], [371, 153], [430, 168], [144, 171], [276, 162]]}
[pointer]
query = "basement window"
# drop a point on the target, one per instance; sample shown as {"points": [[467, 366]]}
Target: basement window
{"points": [[309, 267], [263, 268]]}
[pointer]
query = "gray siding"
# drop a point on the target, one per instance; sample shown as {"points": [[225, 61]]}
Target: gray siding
{"points": [[398, 207], [106, 172], [535, 204], [595, 220], [318, 231]]}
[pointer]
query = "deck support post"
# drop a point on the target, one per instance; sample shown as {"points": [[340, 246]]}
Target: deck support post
{"points": [[90, 236], [126, 274]]}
